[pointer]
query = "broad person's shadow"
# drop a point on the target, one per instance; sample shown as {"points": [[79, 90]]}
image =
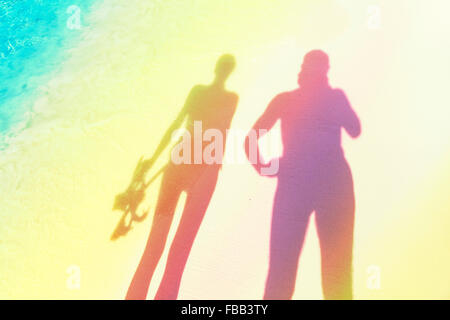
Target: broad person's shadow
{"points": [[313, 176], [211, 108]]}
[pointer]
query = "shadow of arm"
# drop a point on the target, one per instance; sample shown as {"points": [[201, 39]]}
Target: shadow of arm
{"points": [[176, 124], [349, 119], [262, 126]]}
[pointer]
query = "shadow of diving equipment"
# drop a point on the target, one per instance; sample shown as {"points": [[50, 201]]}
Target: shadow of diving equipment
{"points": [[129, 202]]}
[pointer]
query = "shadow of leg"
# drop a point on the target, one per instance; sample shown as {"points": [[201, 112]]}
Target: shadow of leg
{"points": [[289, 223], [197, 202], [335, 221], [167, 201], [152, 253]]}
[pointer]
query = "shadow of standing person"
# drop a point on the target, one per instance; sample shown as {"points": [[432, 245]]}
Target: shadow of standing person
{"points": [[212, 107], [313, 176]]}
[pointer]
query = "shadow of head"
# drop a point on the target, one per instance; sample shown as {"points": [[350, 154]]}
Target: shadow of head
{"points": [[225, 66], [314, 68]]}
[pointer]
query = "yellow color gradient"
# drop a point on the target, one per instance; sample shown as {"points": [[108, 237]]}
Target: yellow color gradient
{"points": [[110, 103]]}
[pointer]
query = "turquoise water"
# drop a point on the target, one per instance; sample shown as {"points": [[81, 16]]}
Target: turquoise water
{"points": [[33, 40]]}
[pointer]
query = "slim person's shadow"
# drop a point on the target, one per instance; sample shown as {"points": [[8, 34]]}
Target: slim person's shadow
{"points": [[211, 107], [313, 176]]}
